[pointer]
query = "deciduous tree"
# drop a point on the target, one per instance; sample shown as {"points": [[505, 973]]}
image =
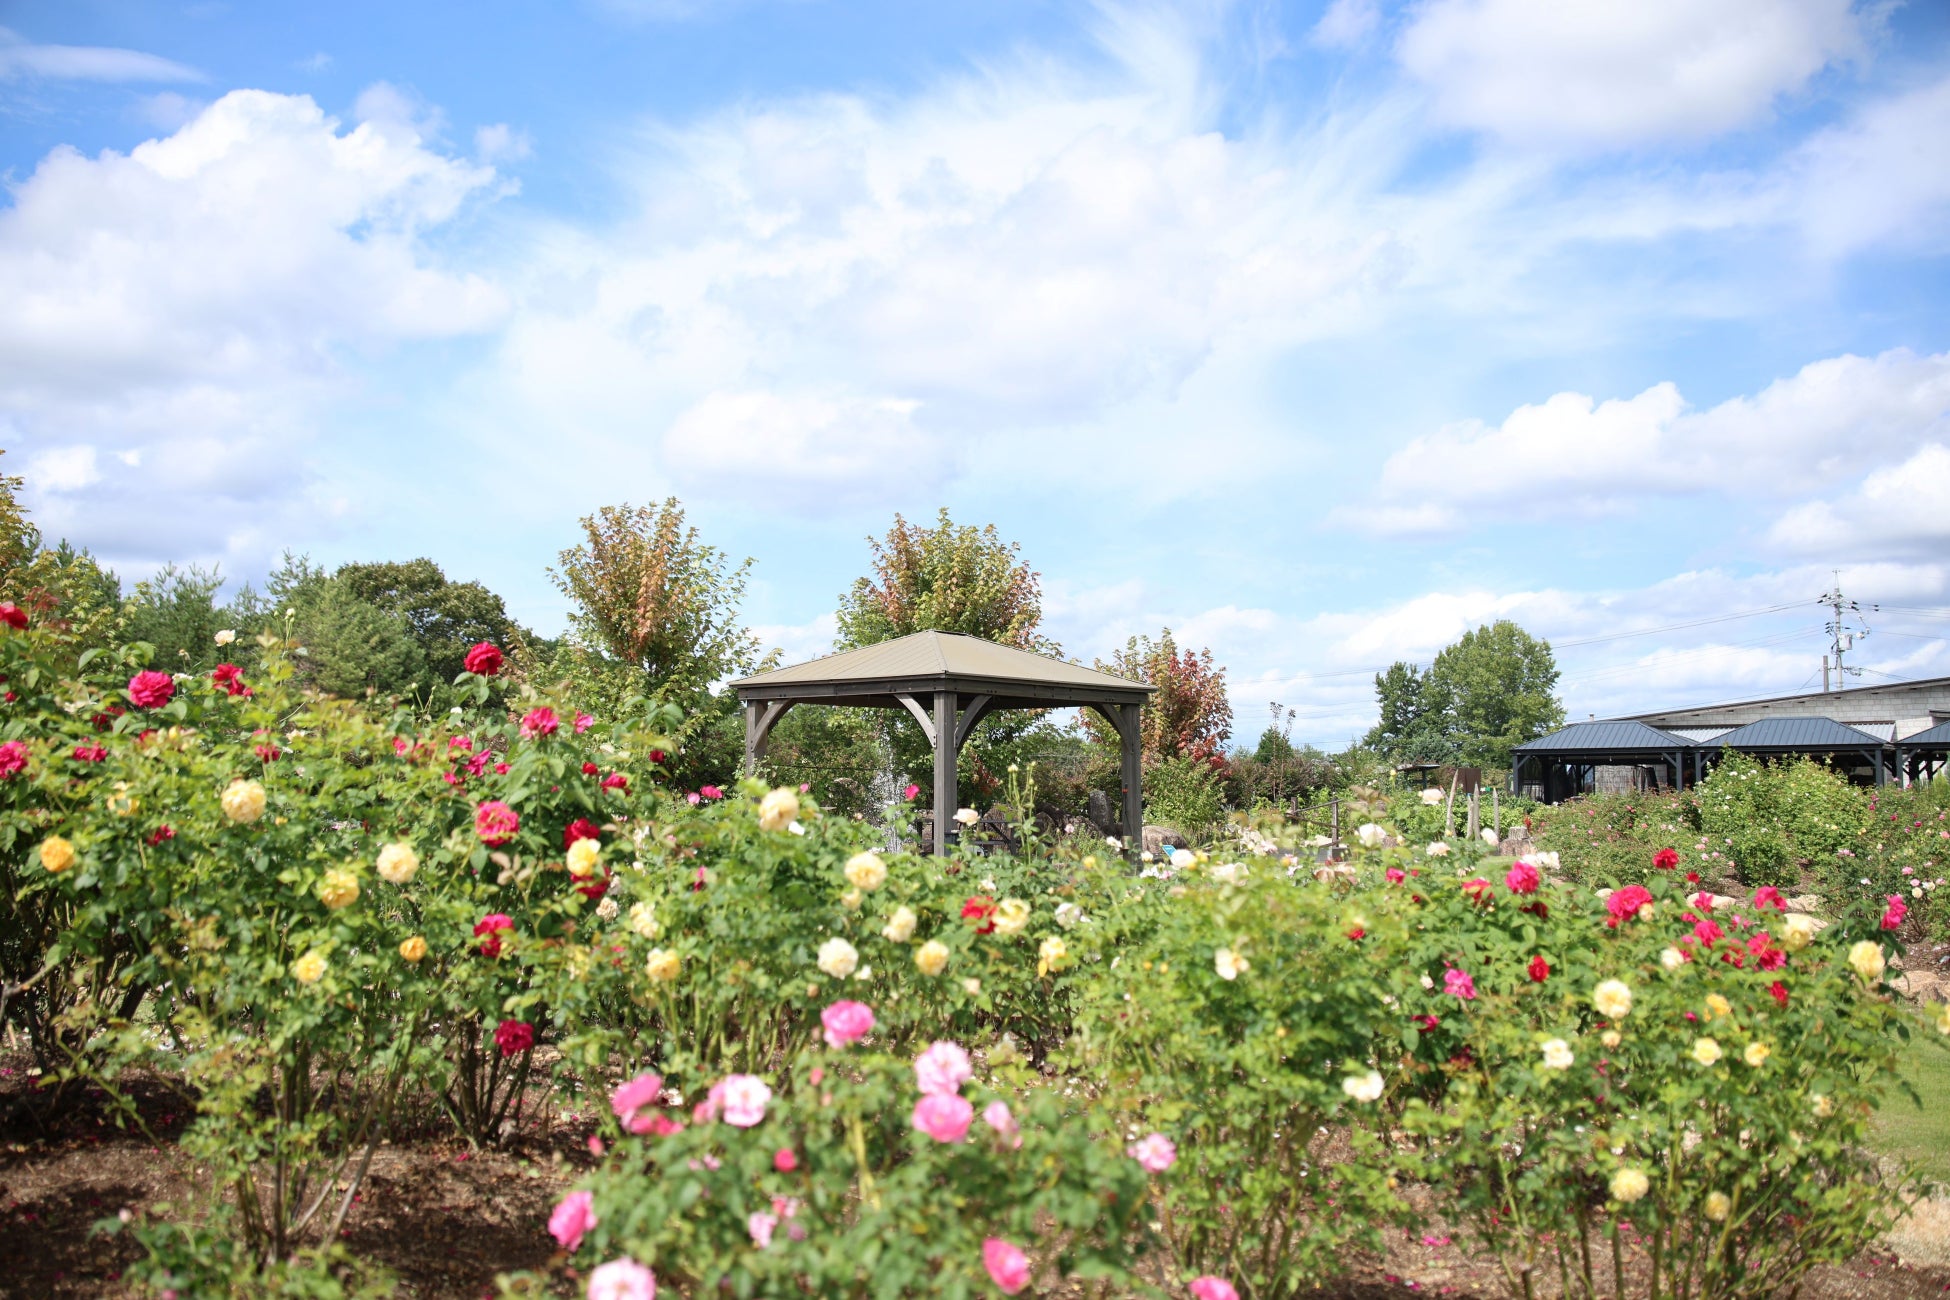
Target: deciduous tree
{"points": [[949, 578], [1188, 716]]}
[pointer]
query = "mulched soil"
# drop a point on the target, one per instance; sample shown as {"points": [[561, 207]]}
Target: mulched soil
{"points": [[446, 1219]]}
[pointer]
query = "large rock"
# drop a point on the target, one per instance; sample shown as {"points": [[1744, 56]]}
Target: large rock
{"points": [[1097, 809], [1159, 838]]}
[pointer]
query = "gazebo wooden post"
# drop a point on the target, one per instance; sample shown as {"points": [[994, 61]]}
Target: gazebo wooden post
{"points": [[1131, 772], [946, 784]]}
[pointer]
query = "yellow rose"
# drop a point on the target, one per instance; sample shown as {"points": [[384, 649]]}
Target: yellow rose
{"points": [[310, 968], [1628, 1185], [1706, 1051], [1717, 1006], [1718, 1206], [339, 889], [121, 802], [57, 855], [1866, 958], [1613, 1000], [931, 958], [779, 809], [866, 871], [1797, 931], [1611, 1038], [583, 857], [1053, 955], [414, 949], [1756, 1054], [662, 966], [243, 801], [1011, 915], [1943, 1019], [398, 863], [644, 920]]}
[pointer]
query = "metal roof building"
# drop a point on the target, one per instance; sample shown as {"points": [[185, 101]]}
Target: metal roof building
{"points": [[1566, 760], [949, 682]]}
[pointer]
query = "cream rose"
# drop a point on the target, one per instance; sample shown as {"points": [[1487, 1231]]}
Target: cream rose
{"points": [[339, 889], [866, 871], [243, 801], [1613, 999], [1011, 915], [1718, 1206], [310, 968], [1229, 964], [643, 920], [900, 926], [1867, 960], [1557, 1054], [778, 809], [838, 958], [1756, 1054], [1706, 1051], [931, 958], [1628, 1185], [662, 965], [1363, 1087], [397, 863]]}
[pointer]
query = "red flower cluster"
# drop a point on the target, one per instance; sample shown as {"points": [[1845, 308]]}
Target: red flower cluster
{"points": [[483, 658], [1666, 859], [514, 1037], [13, 616], [488, 930], [1625, 903], [90, 754], [231, 678], [495, 822], [580, 829], [980, 912], [161, 834], [150, 689]]}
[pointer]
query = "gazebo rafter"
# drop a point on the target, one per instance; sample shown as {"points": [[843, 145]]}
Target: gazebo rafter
{"points": [[948, 683]]}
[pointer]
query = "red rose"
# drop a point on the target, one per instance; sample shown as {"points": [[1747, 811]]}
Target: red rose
{"points": [[590, 769], [1625, 903], [160, 834], [1357, 934], [13, 615], [484, 659], [656, 756], [90, 754], [488, 930], [13, 759], [594, 888], [1540, 970], [580, 829], [1778, 991], [980, 910], [150, 689], [230, 677], [616, 781], [1666, 859], [495, 822], [513, 1036], [539, 722]]}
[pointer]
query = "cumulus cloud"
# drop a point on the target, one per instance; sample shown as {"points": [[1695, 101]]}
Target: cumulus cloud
{"points": [[192, 297], [1574, 454], [20, 57], [1901, 510], [1542, 72], [839, 448]]}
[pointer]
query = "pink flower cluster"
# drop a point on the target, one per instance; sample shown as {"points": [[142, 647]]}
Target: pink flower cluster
{"points": [[1624, 904], [846, 1022], [631, 1103], [942, 1112], [740, 1099], [1155, 1152]]}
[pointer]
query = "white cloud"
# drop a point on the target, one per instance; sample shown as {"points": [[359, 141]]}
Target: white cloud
{"points": [[1901, 510], [66, 469], [1346, 23], [1621, 72], [22, 58], [502, 143], [317, 62], [1882, 178], [1575, 454], [192, 298], [831, 450]]}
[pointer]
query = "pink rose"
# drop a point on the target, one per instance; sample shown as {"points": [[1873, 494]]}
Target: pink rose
{"points": [[487, 930], [538, 722], [622, 1279], [573, 1217], [636, 1095], [710, 792], [996, 1115], [846, 1022], [785, 1160], [402, 746], [1213, 1288], [13, 759], [1523, 879], [942, 1068], [743, 1097], [1155, 1152], [496, 823], [943, 1116], [1006, 1264], [1898, 909], [1458, 984], [909, 793], [583, 722], [1395, 875], [1768, 896], [761, 1225], [150, 689], [1624, 904]]}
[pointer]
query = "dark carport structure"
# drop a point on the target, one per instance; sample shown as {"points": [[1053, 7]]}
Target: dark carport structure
{"points": [[1923, 756], [1814, 737], [949, 682], [1560, 760]]}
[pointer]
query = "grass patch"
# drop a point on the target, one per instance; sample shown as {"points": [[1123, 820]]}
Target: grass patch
{"points": [[1920, 1136]]}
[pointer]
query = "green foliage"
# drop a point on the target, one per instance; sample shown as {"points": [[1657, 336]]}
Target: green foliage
{"points": [[1186, 794], [1188, 714], [949, 578], [1484, 695], [175, 611]]}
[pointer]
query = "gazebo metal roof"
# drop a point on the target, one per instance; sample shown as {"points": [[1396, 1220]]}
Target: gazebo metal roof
{"points": [[949, 682], [1802, 735], [1611, 737], [1937, 737]]}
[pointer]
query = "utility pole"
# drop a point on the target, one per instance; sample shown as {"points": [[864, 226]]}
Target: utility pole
{"points": [[1841, 635]]}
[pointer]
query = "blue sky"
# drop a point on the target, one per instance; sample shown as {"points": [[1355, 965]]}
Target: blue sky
{"points": [[1319, 332]]}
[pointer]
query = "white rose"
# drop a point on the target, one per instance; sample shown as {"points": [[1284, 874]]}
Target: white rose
{"points": [[1432, 796], [1557, 1054], [967, 816], [1613, 1000], [1370, 835], [1489, 837], [1363, 1087], [226, 636], [1182, 859], [607, 909], [1672, 959], [1229, 964], [1068, 915], [1439, 849], [1229, 873], [900, 926], [838, 958]]}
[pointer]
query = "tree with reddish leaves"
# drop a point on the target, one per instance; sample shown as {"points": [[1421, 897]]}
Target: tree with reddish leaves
{"points": [[949, 578], [1188, 716]]}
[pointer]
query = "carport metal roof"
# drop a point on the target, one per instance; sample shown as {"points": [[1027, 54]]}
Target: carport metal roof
{"points": [[1801, 735], [1613, 737]]}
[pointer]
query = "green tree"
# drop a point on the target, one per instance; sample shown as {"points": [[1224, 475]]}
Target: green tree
{"points": [[1497, 683], [949, 578], [176, 612], [445, 618], [650, 594], [1416, 724], [58, 586]]}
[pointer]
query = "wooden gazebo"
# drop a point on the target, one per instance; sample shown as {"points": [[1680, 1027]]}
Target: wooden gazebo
{"points": [[950, 682]]}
